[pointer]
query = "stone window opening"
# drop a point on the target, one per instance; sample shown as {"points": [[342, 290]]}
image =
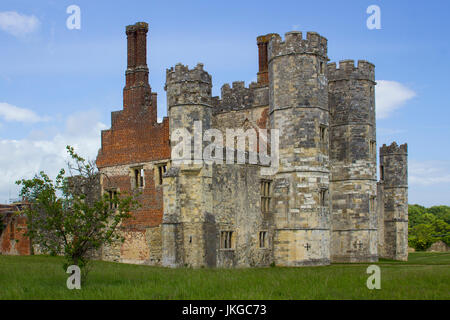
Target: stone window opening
{"points": [[323, 133], [161, 168], [263, 239], [112, 194], [226, 240], [323, 197], [266, 196], [321, 67], [138, 177], [372, 204], [382, 172], [373, 148]]}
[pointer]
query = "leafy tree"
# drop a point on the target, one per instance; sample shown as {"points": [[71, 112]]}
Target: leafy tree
{"points": [[69, 216], [428, 225], [422, 236]]}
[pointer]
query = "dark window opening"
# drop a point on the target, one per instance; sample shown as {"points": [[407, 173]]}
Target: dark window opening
{"points": [[372, 204], [112, 197], [263, 239], [323, 133], [323, 197], [138, 178], [226, 239], [265, 196], [161, 170]]}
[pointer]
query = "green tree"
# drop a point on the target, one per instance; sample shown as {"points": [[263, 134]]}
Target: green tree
{"points": [[421, 236], [69, 216], [428, 225]]}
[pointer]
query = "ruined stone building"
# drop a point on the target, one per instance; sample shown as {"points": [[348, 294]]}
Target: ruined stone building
{"points": [[323, 204]]}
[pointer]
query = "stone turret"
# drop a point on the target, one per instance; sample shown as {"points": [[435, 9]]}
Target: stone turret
{"points": [[298, 97], [394, 189], [187, 186], [353, 161], [188, 98]]}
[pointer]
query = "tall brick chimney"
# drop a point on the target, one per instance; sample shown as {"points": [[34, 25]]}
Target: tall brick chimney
{"points": [[263, 72], [137, 92]]}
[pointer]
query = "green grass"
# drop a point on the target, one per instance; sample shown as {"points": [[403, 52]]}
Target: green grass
{"points": [[424, 276]]}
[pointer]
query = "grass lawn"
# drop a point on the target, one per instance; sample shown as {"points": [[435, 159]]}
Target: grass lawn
{"points": [[424, 276]]}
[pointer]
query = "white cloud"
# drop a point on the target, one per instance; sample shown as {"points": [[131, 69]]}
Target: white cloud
{"points": [[18, 24], [427, 173], [23, 158], [12, 113], [391, 95]]}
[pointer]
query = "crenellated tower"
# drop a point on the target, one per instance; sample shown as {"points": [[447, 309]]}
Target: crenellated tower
{"points": [[187, 186], [298, 98], [353, 161], [394, 191]]}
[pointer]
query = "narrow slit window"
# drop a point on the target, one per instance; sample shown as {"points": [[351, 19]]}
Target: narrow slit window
{"points": [[162, 168], [136, 178], [263, 239], [265, 196], [323, 133], [382, 172], [141, 178], [373, 148], [323, 197], [372, 204]]}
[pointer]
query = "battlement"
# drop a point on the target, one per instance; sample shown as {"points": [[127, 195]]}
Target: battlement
{"points": [[137, 26], [182, 73], [347, 70], [294, 43], [393, 149], [237, 96], [188, 86]]}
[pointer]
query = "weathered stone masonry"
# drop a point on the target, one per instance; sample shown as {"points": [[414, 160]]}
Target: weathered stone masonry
{"points": [[323, 205]]}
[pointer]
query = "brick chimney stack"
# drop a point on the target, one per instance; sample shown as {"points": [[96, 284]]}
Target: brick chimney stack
{"points": [[137, 92], [263, 72]]}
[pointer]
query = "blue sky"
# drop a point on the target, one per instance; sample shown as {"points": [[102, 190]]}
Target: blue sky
{"points": [[58, 86]]}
